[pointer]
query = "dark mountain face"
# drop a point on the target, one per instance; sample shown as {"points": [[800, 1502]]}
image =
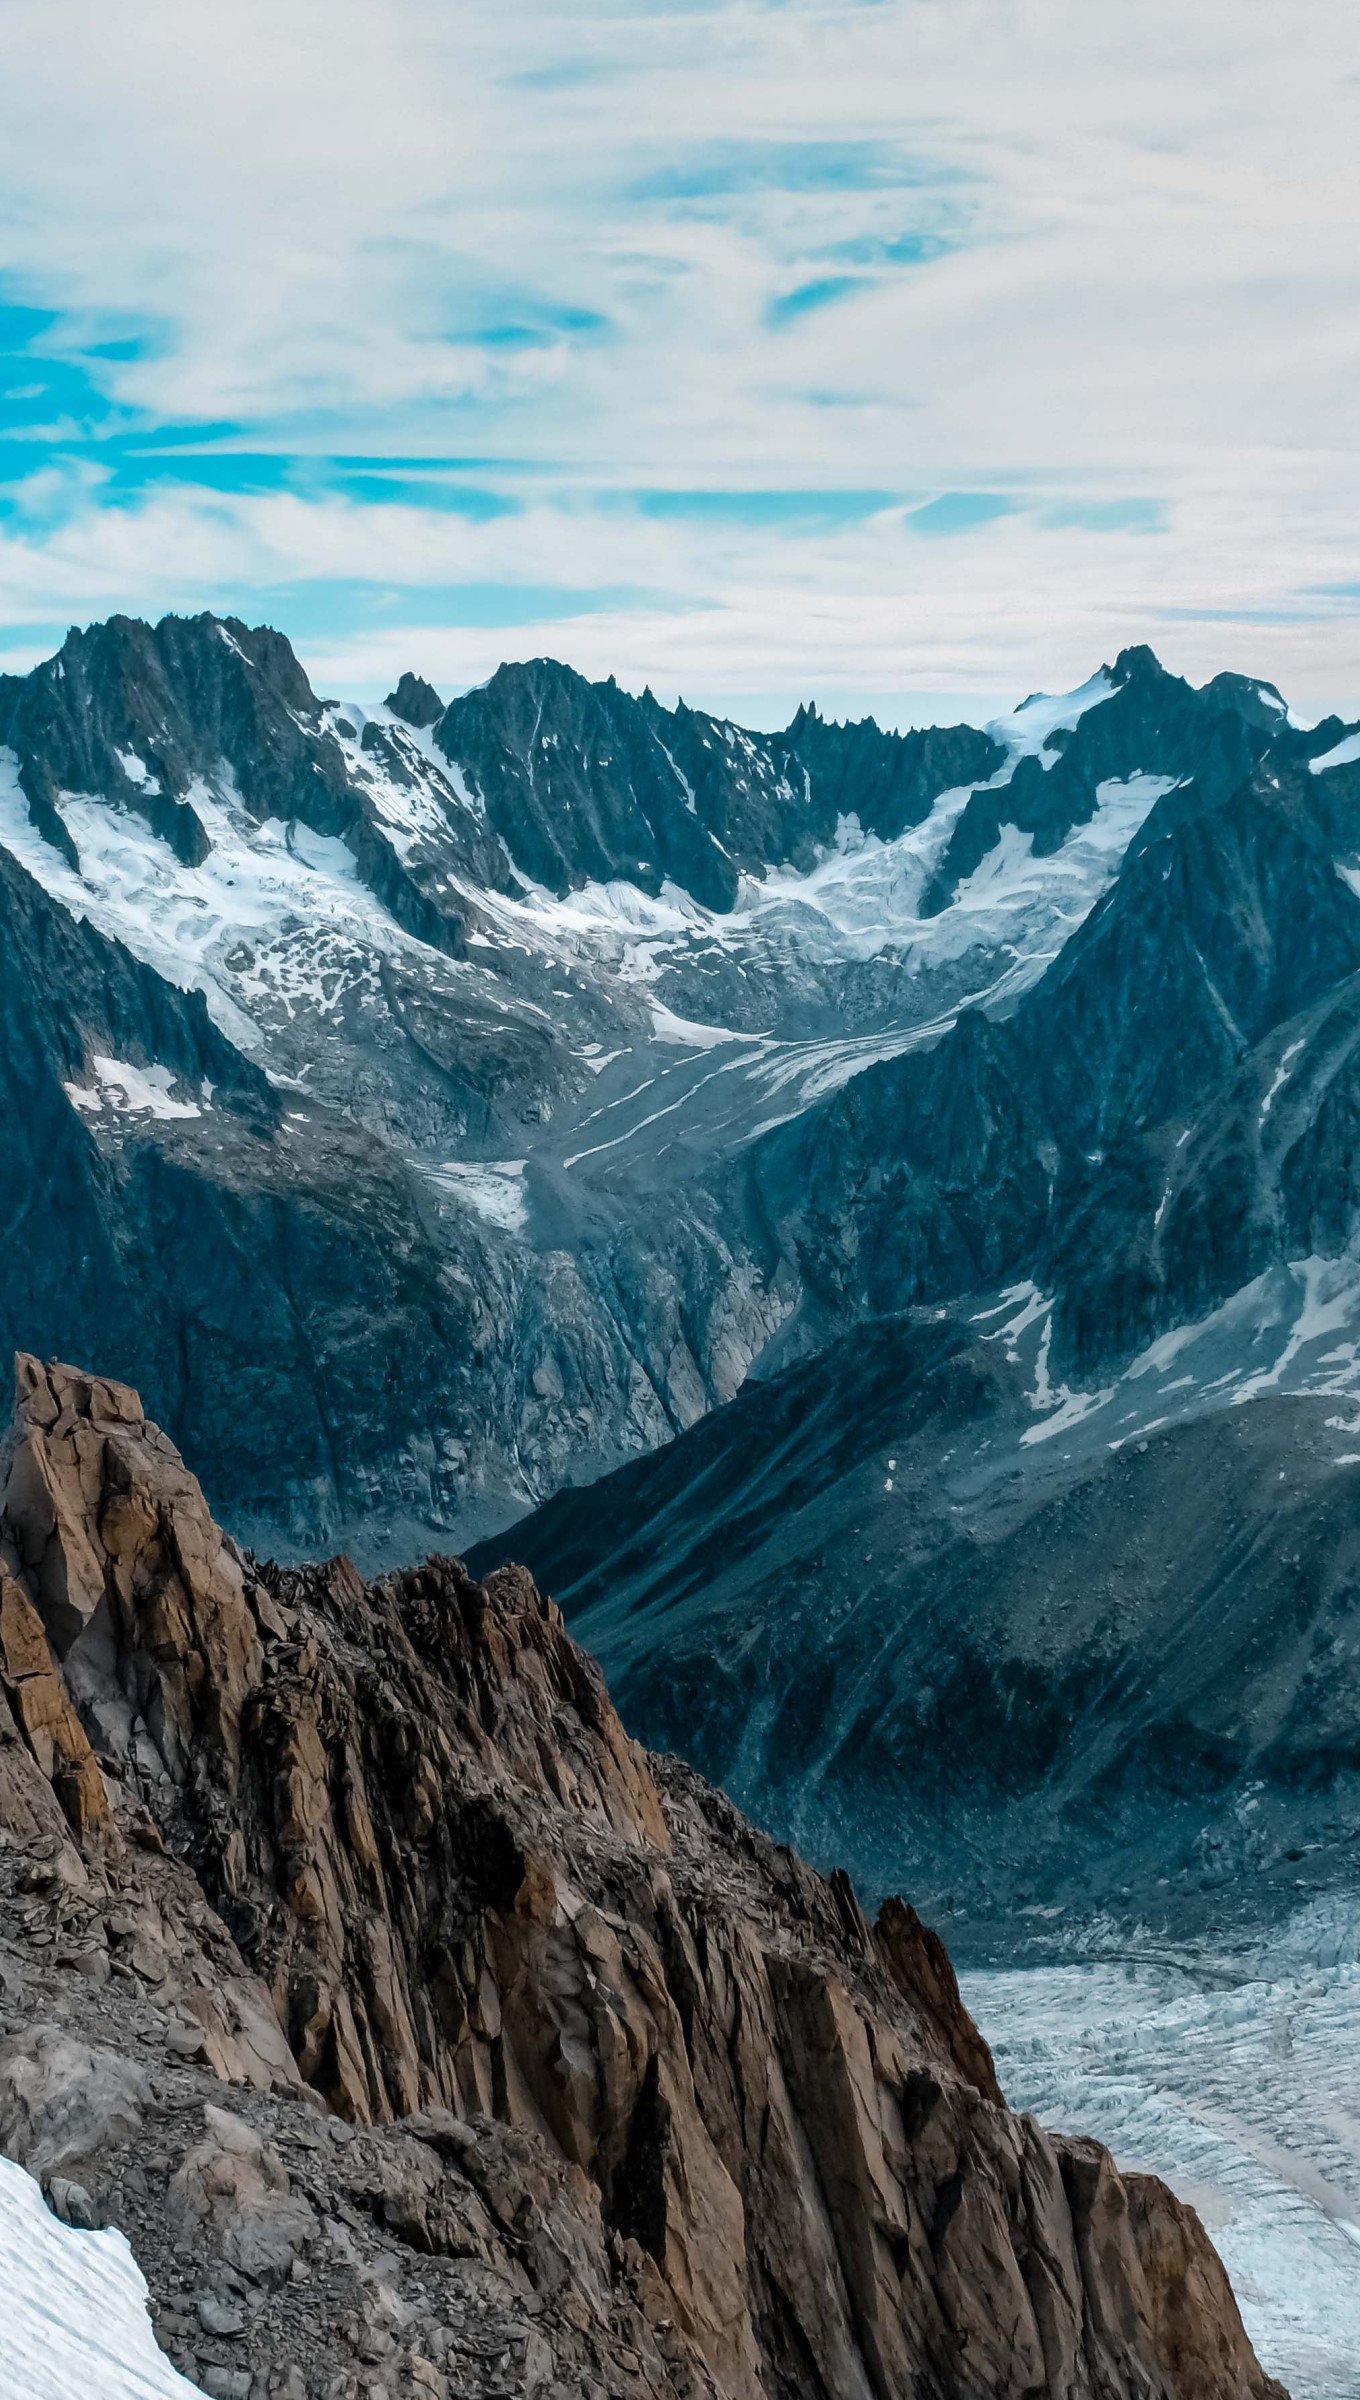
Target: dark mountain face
{"points": [[887, 781], [1212, 737], [1056, 1143], [584, 783], [580, 787], [167, 1212], [415, 701], [153, 719]]}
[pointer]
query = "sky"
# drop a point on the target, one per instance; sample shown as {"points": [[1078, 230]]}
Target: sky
{"points": [[908, 355]]}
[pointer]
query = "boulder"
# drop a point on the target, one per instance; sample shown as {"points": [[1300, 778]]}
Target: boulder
{"points": [[233, 2196], [63, 2105]]}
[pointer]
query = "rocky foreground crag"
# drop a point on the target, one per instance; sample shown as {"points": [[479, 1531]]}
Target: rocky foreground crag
{"points": [[425, 2035]]}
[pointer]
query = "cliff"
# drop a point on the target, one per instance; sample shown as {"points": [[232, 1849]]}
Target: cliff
{"points": [[424, 2033]]}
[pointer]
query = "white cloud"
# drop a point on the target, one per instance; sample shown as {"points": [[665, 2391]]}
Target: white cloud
{"points": [[1148, 292], [871, 607]]}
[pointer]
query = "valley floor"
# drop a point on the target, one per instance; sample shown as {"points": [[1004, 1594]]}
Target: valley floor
{"points": [[1236, 2079]]}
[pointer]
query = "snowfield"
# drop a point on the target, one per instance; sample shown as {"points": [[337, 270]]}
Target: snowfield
{"points": [[74, 2324], [290, 948]]}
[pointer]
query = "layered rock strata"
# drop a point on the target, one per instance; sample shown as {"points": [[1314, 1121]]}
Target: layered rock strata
{"points": [[425, 2034]]}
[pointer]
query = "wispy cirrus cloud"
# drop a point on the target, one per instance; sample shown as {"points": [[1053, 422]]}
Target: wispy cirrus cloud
{"points": [[669, 334]]}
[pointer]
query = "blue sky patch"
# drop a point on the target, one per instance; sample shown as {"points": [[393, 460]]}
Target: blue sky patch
{"points": [[822, 292], [787, 511], [960, 512], [715, 169]]}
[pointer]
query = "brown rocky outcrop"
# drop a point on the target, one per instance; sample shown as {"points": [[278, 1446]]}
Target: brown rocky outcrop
{"points": [[734, 2136]]}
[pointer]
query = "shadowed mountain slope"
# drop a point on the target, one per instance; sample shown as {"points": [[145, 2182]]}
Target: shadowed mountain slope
{"points": [[1079, 1680]]}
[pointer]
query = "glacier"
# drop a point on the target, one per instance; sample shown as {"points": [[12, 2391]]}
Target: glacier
{"points": [[1236, 2078]]}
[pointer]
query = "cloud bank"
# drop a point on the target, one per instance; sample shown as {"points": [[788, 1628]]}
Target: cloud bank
{"points": [[884, 350]]}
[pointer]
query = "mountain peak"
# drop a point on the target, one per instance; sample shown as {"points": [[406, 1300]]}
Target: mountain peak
{"points": [[415, 701], [1136, 663]]}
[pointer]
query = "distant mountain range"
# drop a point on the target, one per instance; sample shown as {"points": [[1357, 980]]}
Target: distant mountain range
{"points": [[430, 1107]]}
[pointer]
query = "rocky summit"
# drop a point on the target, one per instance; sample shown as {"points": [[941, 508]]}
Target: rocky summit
{"points": [[425, 2035]]}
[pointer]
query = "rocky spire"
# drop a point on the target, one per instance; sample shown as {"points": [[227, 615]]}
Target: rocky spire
{"points": [[415, 701]]}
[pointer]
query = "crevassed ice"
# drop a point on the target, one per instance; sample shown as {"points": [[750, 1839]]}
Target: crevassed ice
{"points": [[220, 928], [1231, 2081]]}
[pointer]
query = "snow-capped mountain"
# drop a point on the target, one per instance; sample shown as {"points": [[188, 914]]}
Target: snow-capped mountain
{"points": [[480, 1091]]}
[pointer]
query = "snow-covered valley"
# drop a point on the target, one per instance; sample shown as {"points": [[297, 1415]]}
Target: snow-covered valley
{"points": [[1236, 2078]]}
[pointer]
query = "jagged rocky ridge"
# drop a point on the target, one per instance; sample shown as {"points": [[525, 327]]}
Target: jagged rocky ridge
{"points": [[425, 2034]]}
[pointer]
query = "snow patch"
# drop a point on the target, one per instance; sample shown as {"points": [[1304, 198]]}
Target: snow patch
{"points": [[137, 771], [1343, 754], [418, 806], [135, 1091], [492, 1188], [1028, 727], [683, 1031], [1070, 1409], [1329, 1303], [74, 2324], [1281, 1077], [1033, 1309]]}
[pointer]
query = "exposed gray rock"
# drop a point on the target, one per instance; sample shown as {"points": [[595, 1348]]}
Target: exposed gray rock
{"points": [[63, 2104], [415, 701], [232, 2194]]}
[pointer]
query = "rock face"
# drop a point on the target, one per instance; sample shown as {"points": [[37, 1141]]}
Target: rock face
{"points": [[621, 2090], [584, 783]]}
